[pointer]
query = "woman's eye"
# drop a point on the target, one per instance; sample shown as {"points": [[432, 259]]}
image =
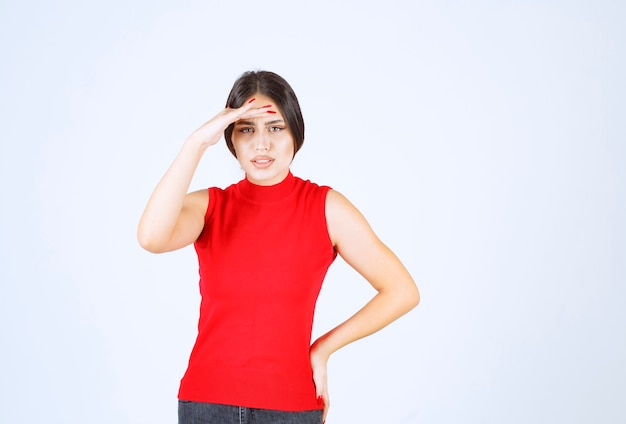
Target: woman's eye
{"points": [[246, 130], [275, 129]]}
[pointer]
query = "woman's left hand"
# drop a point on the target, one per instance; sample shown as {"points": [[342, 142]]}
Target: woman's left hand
{"points": [[319, 365]]}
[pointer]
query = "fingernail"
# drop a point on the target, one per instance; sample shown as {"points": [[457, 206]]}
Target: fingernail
{"points": [[270, 111], [251, 100], [267, 106]]}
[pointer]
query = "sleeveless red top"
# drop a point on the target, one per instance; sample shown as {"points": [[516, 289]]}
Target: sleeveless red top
{"points": [[263, 255]]}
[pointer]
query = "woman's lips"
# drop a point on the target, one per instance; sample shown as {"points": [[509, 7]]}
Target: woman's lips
{"points": [[262, 161]]}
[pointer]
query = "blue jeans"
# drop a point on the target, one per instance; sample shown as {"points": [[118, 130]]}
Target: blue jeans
{"points": [[210, 413]]}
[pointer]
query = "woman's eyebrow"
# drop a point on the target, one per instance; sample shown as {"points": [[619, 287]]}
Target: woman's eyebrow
{"points": [[275, 121], [251, 123]]}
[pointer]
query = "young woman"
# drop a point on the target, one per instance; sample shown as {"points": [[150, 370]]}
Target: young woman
{"points": [[264, 245]]}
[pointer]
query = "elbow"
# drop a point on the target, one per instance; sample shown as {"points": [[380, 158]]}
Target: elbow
{"points": [[149, 243], [145, 243], [410, 296], [416, 298], [404, 296]]}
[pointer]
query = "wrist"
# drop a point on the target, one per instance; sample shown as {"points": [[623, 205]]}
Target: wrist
{"points": [[319, 351], [196, 143]]}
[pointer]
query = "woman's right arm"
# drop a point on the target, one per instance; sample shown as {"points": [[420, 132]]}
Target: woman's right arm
{"points": [[172, 218]]}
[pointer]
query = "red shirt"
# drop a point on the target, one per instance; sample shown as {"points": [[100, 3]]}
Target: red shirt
{"points": [[263, 255]]}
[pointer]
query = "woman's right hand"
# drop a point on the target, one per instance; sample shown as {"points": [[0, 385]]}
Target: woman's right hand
{"points": [[210, 132]]}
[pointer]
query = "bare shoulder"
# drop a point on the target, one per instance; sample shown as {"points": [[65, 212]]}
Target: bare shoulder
{"points": [[195, 206], [345, 221], [199, 198], [338, 207], [334, 200]]}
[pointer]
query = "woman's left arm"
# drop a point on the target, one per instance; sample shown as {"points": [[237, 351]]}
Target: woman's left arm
{"points": [[358, 245]]}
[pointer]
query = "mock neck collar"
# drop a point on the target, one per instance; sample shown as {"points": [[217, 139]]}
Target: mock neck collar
{"points": [[267, 194]]}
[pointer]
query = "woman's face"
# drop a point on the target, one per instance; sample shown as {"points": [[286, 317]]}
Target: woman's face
{"points": [[264, 145]]}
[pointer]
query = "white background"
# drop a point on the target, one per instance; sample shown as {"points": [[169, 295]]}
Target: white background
{"points": [[484, 141]]}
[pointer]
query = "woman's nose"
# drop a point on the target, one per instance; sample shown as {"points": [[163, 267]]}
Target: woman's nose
{"points": [[262, 142]]}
